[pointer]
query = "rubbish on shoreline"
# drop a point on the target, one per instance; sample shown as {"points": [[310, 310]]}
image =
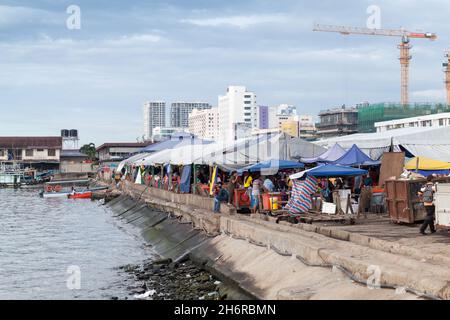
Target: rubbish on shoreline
{"points": [[146, 295]]}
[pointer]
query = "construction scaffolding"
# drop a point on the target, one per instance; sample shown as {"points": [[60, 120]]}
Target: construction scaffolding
{"points": [[369, 114]]}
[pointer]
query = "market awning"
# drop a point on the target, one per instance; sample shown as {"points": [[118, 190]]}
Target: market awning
{"points": [[272, 166], [355, 157], [328, 171], [423, 163], [332, 154]]}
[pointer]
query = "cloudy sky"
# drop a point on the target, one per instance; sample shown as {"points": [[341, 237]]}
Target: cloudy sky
{"points": [[96, 78]]}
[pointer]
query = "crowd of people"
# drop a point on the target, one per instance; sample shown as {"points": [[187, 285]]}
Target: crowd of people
{"points": [[253, 184]]}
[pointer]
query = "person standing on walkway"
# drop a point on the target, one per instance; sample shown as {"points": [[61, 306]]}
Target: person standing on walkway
{"points": [[365, 197], [427, 193], [256, 195], [232, 184], [247, 179]]}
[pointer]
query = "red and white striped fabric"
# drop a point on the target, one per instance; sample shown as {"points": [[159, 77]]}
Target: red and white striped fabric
{"points": [[301, 201]]}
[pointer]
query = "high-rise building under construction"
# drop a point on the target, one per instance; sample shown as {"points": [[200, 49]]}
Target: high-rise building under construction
{"points": [[368, 114]]}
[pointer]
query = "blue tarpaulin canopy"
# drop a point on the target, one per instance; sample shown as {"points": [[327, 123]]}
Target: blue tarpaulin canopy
{"points": [[330, 170], [185, 185], [355, 157], [273, 165], [332, 154]]}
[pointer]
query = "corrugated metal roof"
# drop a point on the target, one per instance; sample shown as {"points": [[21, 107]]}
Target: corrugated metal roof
{"points": [[72, 154], [124, 145], [31, 142]]}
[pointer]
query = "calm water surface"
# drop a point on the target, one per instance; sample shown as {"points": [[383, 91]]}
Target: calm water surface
{"points": [[41, 238]]}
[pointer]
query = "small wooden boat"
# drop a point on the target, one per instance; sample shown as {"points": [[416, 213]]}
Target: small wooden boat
{"points": [[58, 192], [81, 195]]}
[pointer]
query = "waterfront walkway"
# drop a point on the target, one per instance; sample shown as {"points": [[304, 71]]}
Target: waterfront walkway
{"points": [[348, 256]]}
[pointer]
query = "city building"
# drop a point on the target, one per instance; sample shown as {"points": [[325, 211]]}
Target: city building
{"points": [[301, 126], [164, 133], [154, 116], [110, 154], [256, 131], [179, 112], [41, 153], [237, 109], [73, 161], [369, 114], [263, 117], [432, 120], [337, 122], [280, 114], [204, 123]]}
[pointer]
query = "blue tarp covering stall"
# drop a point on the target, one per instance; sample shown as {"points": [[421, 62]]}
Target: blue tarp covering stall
{"points": [[332, 154], [273, 165], [355, 157], [330, 171], [185, 182]]}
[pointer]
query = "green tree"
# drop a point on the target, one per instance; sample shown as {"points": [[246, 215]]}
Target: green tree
{"points": [[89, 150]]}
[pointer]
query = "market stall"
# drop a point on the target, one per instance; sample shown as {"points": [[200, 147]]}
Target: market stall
{"points": [[426, 166]]}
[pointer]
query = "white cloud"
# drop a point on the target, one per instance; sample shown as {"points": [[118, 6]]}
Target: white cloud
{"points": [[14, 15], [237, 21], [134, 39]]}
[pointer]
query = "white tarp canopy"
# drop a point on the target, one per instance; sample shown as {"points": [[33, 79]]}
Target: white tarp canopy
{"points": [[261, 148], [183, 155], [427, 142], [131, 160], [235, 154]]}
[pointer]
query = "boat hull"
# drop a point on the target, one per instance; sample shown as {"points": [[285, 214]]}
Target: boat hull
{"points": [[83, 195], [56, 194]]}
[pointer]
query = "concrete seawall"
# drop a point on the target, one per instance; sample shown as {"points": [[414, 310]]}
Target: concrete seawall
{"points": [[265, 260]]}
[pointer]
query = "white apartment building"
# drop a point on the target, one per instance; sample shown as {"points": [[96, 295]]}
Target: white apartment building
{"points": [[204, 123], [432, 120], [179, 112], [237, 106], [154, 116]]}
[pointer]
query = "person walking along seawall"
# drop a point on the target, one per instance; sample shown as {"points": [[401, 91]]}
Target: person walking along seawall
{"points": [[427, 193]]}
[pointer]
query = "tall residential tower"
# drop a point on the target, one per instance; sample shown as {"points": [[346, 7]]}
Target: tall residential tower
{"points": [[237, 109], [154, 116]]}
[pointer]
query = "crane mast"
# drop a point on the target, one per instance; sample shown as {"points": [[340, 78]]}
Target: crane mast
{"points": [[447, 75], [404, 47]]}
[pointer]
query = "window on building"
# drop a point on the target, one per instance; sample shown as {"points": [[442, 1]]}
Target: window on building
{"points": [[51, 152], [29, 152], [247, 102], [40, 150], [441, 122], [2, 153]]}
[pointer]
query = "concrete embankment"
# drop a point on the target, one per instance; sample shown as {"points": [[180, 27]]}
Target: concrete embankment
{"points": [[266, 260]]}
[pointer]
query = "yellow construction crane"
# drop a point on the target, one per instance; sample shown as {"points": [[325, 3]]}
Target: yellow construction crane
{"points": [[404, 47], [447, 75]]}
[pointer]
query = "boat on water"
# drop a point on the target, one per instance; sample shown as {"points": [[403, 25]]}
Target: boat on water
{"points": [[14, 176], [67, 189], [81, 195]]}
